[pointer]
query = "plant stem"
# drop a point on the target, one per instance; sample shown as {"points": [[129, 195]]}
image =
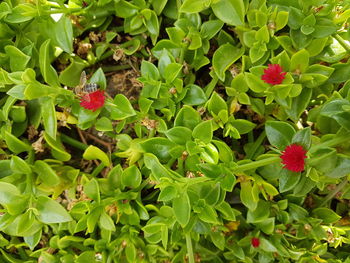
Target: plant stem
{"points": [[65, 11], [180, 166], [331, 143], [31, 157], [256, 164], [256, 145], [189, 248], [97, 170], [73, 142], [151, 133], [334, 192], [342, 42]]}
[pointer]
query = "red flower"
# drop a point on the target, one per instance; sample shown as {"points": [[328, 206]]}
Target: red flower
{"points": [[255, 242], [293, 158], [93, 101], [274, 74]]}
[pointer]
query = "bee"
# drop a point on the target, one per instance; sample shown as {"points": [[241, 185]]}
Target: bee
{"points": [[85, 88]]}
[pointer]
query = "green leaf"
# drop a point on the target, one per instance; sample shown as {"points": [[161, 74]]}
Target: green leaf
{"points": [[229, 11], [260, 214], [8, 193], [303, 137], [263, 35], [216, 104], [22, 13], [18, 60], [106, 222], [203, 131], [25, 222], [324, 27], [299, 104], [247, 196], [210, 154], [267, 245], [341, 73], [255, 83], [227, 211], [224, 57], [130, 252], [168, 193], [281, 20], [50, 211], [243, 126], [104, 124], [194, 95], [279, 133], [150, 20], [182, 209], [57, 149], [92, 190], [152, 163], [288, 180], [210, 170], [158, 6], [327, 215], [99, 78], [131, 177], [48, 72], [212, 196], [299, 61], [158, 146], [48, 114], [210, 28], [16, 145], [46, 174], [341, 169], [60, 32], [18, 165], [93, 153], [218, 239], [179, 135], [149, 70], [86, 256], [267, 226], [316, 46], [187, 117], [225, 152], [194, 6], [70, 75], [121, 108], [208, 215], [33, 240], [18, 113], [335, 109], [171, 72], [125, 9]]}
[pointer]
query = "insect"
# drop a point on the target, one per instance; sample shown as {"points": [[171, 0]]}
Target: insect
{"points": [[85, 88]]}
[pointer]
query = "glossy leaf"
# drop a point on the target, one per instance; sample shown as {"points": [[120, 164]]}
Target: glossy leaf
{"points": [[47, 71], [182, 209], [93, 153], [229, 11], [224, 57], [50, 211], [279, 134], [46, 174], [131, 177]]}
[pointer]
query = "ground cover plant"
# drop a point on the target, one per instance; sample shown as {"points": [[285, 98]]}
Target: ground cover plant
{"points": [[174, 131]]}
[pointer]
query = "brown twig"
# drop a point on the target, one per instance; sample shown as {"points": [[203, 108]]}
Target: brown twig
{"points": [[98, 140]]}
